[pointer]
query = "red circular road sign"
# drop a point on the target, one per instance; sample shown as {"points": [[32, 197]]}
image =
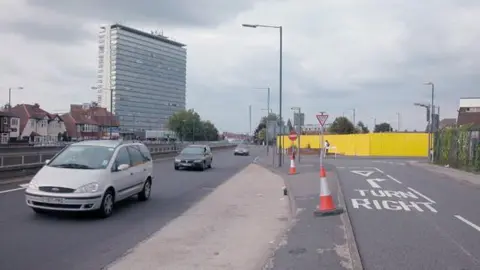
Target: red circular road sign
{"points": [[292, 136]]}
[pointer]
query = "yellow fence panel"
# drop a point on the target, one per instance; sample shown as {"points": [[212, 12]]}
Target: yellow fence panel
{"points": [[372, 144]]}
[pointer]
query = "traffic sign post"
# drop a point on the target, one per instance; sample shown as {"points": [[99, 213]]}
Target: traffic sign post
{"points": [[293, 137], [322, 119]]}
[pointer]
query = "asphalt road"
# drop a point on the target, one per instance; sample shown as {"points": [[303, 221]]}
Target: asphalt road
{"points": [[78, 242], [410, 218]]}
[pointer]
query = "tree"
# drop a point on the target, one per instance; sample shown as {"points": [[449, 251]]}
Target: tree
{"points": [[188, 125], [210, 131], [289, 125], [263, 125], [361, 128], [341, 125], [262, 135], [383, 127]]}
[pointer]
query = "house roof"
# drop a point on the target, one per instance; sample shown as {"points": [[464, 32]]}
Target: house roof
{"points": [[447, 122], [28, 111], [92, 116], [465, 118]]}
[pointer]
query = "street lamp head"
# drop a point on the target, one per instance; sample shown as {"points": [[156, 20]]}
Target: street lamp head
{"points": [[250, 25], [428, 83]]}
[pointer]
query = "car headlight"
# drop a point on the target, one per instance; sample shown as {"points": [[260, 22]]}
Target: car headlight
{"points": [[88, 188], [177, 160], [33, 185], [199, 160]]}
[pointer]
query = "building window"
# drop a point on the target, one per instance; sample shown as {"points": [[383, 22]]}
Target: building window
{"points": [[32, 123]]}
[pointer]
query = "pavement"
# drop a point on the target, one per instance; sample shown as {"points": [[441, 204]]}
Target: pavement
{"points": [[234, 228], [407, 214], [78, 242], [313, 242]]}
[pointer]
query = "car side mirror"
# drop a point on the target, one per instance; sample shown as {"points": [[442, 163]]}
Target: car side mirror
{"points": [[123, 167], [47, 161]]}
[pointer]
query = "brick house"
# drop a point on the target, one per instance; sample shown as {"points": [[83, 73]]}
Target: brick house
{"points": [[469, 112], [34, 121], [88, 121]]}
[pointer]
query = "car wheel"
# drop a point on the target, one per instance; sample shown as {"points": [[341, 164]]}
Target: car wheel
{"points": [[108, 201], [176, 168], [146, 191], [204, 166]]}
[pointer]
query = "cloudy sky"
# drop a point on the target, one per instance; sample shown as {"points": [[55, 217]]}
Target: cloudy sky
{"points": [[369, 55]]}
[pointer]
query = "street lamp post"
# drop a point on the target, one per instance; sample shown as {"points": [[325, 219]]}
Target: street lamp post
{"points": [[280, 28], [429, 120], [99, 90], [432, 112], [299, 128], [398, 122], [10, 96]]}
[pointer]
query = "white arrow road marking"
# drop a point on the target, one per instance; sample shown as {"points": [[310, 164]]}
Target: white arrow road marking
{"points": [[364, 173], [373, 182]]}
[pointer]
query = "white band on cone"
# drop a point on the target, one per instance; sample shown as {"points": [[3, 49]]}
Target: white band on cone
{"points": [[324, 190]]}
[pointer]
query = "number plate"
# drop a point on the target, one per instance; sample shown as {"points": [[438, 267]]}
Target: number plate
{"points": [[186, 164], [52, 200]]}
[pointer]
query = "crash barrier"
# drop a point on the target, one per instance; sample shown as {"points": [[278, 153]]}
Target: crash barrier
{"points": [[398, 144], [16, 148], [23, 164]]}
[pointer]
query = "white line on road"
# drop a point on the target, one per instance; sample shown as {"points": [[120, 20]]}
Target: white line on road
{"points": [[420, 194], [11, 190], [378, 170], [476, 227], [393, 178], [24, 185]]}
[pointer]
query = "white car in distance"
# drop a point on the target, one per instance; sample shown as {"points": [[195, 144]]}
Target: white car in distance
{"points": [[92, 176]]}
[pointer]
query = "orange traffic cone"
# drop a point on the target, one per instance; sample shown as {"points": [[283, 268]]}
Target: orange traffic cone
{"points": [[326, 204], [293, 169]]}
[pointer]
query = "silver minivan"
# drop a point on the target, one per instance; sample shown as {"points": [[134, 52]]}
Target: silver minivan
{"points": [[92, 176]]}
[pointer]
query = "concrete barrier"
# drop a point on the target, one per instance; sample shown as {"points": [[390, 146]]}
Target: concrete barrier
{"points": [[19, 165]]}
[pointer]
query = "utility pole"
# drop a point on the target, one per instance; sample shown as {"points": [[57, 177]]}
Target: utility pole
{"points": [[250, 118], [354, 123], [398, 122]]}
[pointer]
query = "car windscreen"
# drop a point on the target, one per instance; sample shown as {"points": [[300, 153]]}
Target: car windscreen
{"points": [[83, 157], [192, 151]]}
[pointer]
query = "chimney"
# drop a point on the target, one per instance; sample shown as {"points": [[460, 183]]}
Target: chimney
{"points": [[36, 105]]}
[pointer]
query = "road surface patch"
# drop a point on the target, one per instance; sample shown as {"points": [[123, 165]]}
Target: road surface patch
{"points": [[378, 198], [466, 221]]}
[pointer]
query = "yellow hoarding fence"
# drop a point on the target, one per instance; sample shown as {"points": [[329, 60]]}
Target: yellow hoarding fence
{"points": [[371, 144]]}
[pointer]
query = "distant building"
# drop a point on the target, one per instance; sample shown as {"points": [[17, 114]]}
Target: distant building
{"points": [[447, 122], [469, 111], [88, 121], [33, 121], [146, 73]]}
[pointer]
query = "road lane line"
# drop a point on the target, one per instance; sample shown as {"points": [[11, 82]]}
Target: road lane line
{"points": [[420, 194], [378, 170], [11, 190], [468, 222], [393, 178]]}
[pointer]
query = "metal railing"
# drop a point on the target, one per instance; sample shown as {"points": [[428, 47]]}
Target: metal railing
{"points": [[32, 159]]}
